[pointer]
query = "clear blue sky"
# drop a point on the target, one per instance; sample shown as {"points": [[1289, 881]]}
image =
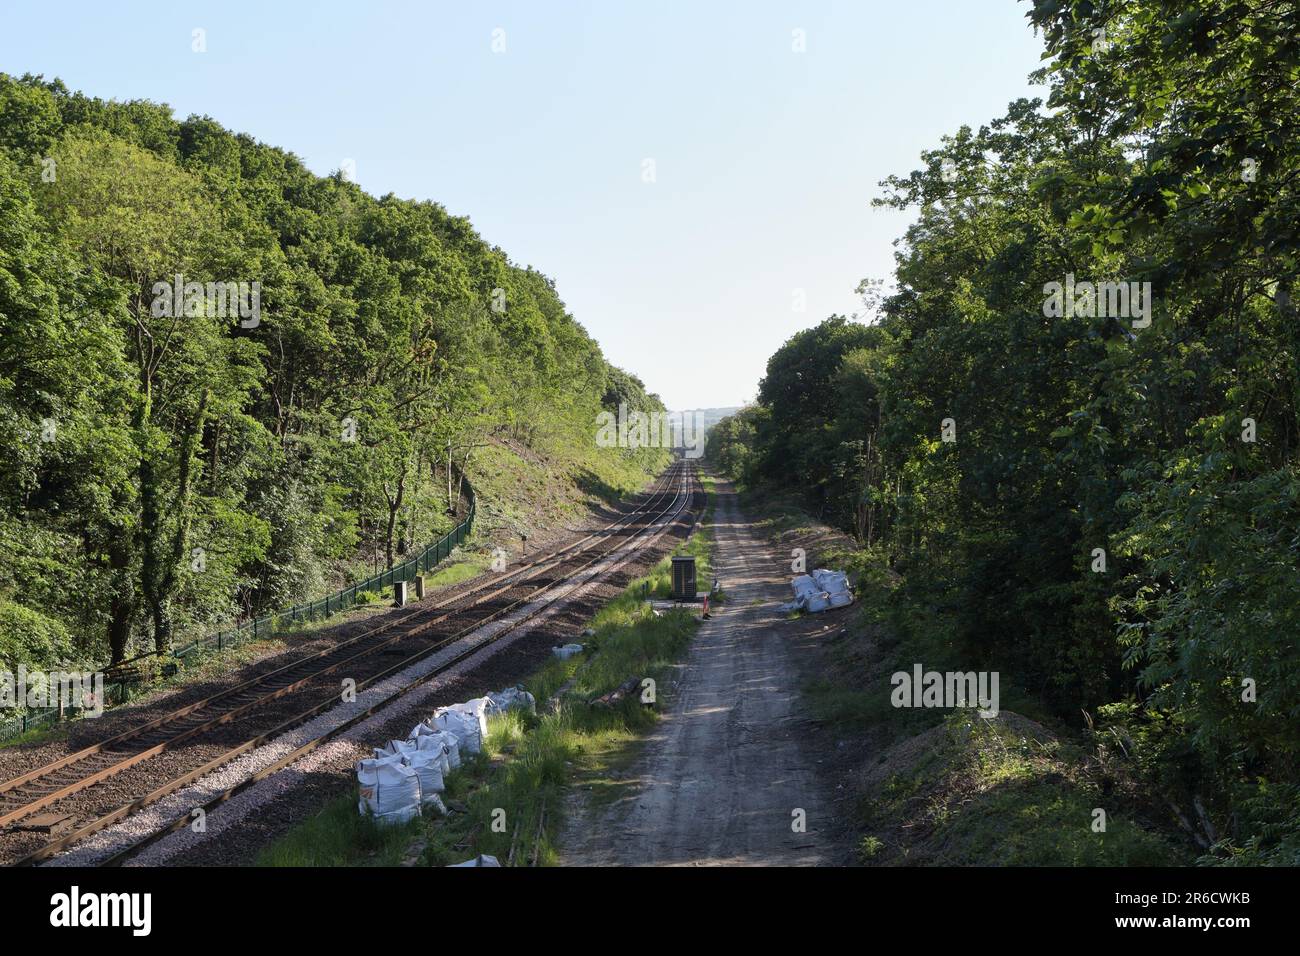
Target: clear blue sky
{"points": [[765, 159]]}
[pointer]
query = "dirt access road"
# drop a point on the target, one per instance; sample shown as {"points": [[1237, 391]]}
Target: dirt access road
{"points": [[719, 778]]}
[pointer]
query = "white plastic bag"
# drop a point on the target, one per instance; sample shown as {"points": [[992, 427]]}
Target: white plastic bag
{"points": [[434, 805], [514, 698], [482, 859]]}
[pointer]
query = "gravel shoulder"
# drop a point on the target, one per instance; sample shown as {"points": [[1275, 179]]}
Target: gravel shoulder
{"points": [[721, 778]]}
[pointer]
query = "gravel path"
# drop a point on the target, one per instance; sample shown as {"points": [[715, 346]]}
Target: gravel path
{"points": [[721, 776]]}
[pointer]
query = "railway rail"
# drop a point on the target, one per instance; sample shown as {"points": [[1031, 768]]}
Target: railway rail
{"points": [[471, 609]]}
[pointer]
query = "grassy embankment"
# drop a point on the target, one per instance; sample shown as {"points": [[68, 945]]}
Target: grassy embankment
{"points": [[530, 762]]}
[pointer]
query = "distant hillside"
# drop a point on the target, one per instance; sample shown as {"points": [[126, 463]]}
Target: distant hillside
{"points": [[710, 416]]}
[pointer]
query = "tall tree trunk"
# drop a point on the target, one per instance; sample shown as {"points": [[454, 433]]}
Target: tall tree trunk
{"points": [[122, 602], [451, 508], [394, 506], [159, 570], [460, 484]]}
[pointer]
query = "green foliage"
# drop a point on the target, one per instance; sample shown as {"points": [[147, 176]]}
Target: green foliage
{"points": [[1168, 157], [340, 836], [730, 444], [163, 474], [30, 639]]}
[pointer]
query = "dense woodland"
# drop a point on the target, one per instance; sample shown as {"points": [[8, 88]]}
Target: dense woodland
{"points": [[166, 473], [1114, 520]]}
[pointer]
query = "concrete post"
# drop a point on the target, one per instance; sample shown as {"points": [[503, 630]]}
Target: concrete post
{"points": [[399, 593], [419, 587]]}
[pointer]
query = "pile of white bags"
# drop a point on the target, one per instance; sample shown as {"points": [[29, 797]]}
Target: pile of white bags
{"points": [[819, 591], [406, 775], [401, 778], [564, 652]]}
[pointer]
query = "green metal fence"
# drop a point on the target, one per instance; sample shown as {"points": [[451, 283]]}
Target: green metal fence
{"points": [[276, 622], [29, 720]]}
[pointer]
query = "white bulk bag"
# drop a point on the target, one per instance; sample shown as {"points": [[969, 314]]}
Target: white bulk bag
{"points": [[395, 748], [389, 791], [804, 586], [483, 859], [422, 728], [442, 743], [479, 707], [817, 603], [464, 727], [819, 591], [832, 582], [567, 651], [476, 709], [514, 698], [427, 765]]}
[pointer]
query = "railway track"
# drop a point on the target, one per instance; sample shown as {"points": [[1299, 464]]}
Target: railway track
{"points": [[480, 604], [44, 786]]}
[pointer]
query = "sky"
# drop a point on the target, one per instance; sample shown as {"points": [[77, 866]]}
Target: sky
{"points": [[690, 172]]}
